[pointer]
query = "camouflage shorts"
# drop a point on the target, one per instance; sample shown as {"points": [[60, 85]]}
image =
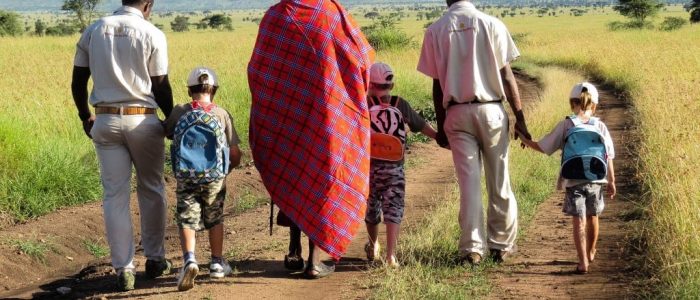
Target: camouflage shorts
{"points": [[584, 200], [386, 193], [200, 206]]}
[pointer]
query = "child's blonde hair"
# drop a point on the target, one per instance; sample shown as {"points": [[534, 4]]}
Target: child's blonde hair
{"points": [[585, 100]]}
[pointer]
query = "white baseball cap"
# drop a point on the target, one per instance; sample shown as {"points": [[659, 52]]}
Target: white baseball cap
{"points": [[381, 73], [584, 87], [197, 72]]}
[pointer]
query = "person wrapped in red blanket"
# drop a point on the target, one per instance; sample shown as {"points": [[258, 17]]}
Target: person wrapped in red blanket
{"points": [[309, 122]]}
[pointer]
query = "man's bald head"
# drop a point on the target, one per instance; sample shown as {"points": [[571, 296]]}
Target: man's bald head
{"points": [[450, 2]]}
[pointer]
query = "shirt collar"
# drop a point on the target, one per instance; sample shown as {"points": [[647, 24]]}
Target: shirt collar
{"points": [[462, 5], [128, 10]]}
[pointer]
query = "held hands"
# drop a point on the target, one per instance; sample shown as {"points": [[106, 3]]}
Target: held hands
{"points": [[441, 139], [87, 125]]}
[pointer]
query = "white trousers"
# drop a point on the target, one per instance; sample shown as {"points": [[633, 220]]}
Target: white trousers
{"points": [[478, 135], [123, 141]]}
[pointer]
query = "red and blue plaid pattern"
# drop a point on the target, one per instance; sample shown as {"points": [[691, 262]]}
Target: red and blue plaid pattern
{"points": [[309, 124]]}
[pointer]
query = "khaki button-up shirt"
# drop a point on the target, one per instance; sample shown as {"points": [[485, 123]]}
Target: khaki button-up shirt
{"points": [[466, 49], [123, 52]]}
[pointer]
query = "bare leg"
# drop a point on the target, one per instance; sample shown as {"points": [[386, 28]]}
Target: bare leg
{"points": [[216, 240], [294, 241], [187, 239], [592, 236], [314, 254], [373, 232], [392, 237], [580, 242]]}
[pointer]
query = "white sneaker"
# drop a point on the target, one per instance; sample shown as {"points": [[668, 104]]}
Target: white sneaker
{"points": [[185, 281], [219, 270]]}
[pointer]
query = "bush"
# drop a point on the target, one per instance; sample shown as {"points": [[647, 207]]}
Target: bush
{"points": [[672, 23], [383, 34], [617, 25], [10, 24], [62, 29]]}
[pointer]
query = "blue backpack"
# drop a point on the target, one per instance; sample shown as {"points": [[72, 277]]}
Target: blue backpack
{"points": [[200, 152], [584, 156]]}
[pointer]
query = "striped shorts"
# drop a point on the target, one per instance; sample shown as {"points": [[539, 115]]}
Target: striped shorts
{"points": [[387, 186]]}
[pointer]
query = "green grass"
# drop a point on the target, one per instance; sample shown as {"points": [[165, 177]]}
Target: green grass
{"points": [[248, 200], [36, 249], [96, 248]]}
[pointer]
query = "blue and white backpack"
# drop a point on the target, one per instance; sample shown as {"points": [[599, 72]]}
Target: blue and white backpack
{"points": [[584, 156], [200, 151]]}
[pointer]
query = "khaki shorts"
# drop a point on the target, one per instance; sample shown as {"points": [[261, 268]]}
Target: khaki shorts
{"points": [[200, 206], [584, 200]]}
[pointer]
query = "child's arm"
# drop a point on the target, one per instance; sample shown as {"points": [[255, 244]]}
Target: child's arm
{"points": [[530, 143], [612, 189], [429, 131]]}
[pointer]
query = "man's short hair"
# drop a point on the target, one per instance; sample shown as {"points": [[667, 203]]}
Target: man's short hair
{"points": [[134, 2]]}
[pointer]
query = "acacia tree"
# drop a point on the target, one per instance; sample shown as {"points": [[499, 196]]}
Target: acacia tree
{"points": [[639, 10], [694, 9], [84, 11], [180, 24]]}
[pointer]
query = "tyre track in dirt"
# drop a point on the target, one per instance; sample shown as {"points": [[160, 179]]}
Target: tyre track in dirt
{"points": [[544, 264]]}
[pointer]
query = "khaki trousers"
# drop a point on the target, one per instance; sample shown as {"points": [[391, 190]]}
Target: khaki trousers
{"points": [[120, 142], [478, 135]]}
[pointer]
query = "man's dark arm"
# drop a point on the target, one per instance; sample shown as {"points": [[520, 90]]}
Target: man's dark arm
{"points": [[163, 93], [79, 85], [440, 114], [513, 96]]}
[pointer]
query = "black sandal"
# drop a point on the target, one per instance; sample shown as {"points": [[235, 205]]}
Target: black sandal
{"points": [[293, 263], [322, 270]]}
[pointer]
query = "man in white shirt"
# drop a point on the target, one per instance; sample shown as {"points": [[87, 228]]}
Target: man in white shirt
{"points": [[468, 55], [127, 58]]}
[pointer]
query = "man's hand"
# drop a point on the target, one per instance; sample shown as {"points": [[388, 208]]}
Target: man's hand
{"points": [[87, 125], [521, 129], [441, 139]]}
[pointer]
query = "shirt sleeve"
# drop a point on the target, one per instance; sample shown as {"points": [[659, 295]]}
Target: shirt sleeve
{"points": [[158, 61], [415, 122], [504, 46], [231, 134], [82, 58], [554, 141], [609, 148], [426, 62]]}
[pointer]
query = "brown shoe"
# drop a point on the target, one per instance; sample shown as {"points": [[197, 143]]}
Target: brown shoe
{"points": [[498, 256], [473, 258]]}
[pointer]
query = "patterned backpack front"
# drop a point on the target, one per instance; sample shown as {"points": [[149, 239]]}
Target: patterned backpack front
{"points": [[199, 152], [388, 136]]}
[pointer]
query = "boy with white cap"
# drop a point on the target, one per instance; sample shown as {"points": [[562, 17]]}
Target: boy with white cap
{"points": [[388, 114], [587, 165], [204, 149]]}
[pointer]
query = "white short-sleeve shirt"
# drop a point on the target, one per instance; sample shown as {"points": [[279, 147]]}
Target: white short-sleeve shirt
{"points": [[123, 52], [466, 49], [554, 141]]}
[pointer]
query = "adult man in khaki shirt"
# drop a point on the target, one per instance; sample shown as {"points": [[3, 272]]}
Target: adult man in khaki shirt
{"points": [[468, 54], [128, 60]]}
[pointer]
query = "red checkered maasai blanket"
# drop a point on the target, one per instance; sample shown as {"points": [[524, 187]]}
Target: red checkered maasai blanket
{"points": [[309, 122]]}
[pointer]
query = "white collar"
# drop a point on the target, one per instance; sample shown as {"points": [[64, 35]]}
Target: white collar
{"points": [[462, 5], [128, 10]]}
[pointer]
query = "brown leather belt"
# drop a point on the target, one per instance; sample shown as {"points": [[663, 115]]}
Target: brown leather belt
{"points": [[124, 110], [452, 102]]}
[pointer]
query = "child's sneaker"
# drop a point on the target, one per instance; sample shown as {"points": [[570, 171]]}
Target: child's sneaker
{"points": [[219, 269], [188, 273]]}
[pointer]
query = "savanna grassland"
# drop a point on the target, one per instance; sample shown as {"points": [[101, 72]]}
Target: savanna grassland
{"points": [[46, 161]]}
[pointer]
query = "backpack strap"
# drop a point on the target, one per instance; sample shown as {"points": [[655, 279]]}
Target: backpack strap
{"points": [[374, 101], [575, 120], [394, 101]]}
